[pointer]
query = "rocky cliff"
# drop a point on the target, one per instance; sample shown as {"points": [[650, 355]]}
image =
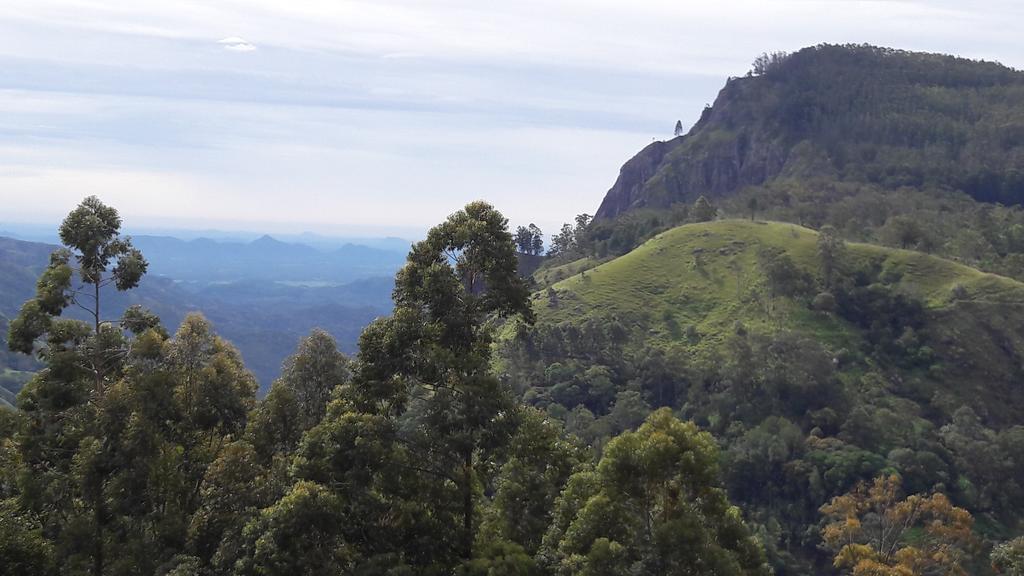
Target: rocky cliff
{"points": [[854, 113]]}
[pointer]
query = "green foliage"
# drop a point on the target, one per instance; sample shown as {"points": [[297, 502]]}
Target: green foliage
{"points": [[807, 398], [572, 241], [416, 458], [529, 240], [500, 559], [538, 466], [299, 534], [653, 505], [703, 211], [96, 251], [315, 370], [23, 548], [1008, 557]]}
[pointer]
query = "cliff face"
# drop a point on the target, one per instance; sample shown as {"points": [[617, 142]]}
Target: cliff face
{"points": [[627, 192], [853, 113], [729, 148]]}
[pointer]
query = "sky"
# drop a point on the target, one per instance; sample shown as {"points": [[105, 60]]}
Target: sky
{"points": [[382, 117]]}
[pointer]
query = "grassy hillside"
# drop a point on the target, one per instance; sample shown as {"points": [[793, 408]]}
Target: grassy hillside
{"points": [[910, 363], [706, 276]]}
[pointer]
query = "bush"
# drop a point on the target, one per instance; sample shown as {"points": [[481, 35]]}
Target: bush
{"points": [[824, 302]]}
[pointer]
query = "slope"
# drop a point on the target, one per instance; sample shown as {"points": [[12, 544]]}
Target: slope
{"points": [[906, 362]]}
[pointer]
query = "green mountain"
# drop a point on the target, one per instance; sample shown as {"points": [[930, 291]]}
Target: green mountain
{"points": [[844, 114], [901, 361]]}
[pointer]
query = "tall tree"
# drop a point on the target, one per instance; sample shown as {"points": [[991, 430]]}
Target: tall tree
{"points": [[524, 239], [428, 365], [95, 250], [679, 128], [536, 240], [65, 444], [564, 242], [831, 249], [752, 205]]}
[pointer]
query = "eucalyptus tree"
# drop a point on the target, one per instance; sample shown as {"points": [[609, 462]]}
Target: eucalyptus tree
{"points": [[312, 374], [67, 446], [428, 366], [97, 255]]}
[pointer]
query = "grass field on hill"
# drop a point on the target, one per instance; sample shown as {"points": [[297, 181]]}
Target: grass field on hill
{"points": [[707, 275], [693, 286]]}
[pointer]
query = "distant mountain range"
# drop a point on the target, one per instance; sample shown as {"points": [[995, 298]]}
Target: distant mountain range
{"points": [[209, 261], [262, 295]]}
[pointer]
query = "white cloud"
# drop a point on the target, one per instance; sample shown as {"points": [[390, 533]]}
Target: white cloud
{"points": [[354, 107], [236, 44]]}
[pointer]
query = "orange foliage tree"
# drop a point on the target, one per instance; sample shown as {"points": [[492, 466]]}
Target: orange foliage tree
{"points": [[874, 533]]}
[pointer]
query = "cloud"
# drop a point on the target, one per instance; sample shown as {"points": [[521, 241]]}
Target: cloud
{"points": [[236, 44], [358, 105]]}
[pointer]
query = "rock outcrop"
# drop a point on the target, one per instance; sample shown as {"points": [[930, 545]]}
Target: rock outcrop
{"points": [[854, 113]]}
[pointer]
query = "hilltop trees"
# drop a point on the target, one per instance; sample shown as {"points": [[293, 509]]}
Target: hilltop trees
{"points": [[767, 62], [703, 210], [830, 250], [529, 240], [572, 239]]}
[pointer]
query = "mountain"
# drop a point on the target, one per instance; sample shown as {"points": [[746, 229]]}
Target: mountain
{"points": [[898, 362], [843, 114], [263, 316], [205, 261]]}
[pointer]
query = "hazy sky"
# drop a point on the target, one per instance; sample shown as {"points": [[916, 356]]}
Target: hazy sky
{"points": [[384, 116]]}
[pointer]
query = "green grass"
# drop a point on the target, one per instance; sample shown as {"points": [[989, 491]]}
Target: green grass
{"points": [[706, 276], [547, 275]]}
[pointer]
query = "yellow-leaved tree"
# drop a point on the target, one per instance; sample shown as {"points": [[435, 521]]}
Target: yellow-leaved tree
{"points": [[874, 533]]}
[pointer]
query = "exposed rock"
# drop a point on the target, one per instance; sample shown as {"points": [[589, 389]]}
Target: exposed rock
{"points": [[853, 113]]}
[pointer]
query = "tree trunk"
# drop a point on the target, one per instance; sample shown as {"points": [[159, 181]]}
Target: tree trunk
{"points": [[467, 503], [96, 354], [97, 555]]}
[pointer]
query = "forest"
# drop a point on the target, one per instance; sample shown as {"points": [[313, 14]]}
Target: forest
{"points": [[790, 342], [136, 450]]}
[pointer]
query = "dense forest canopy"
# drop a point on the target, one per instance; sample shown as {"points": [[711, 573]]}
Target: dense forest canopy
{"points": [[137, 451]]}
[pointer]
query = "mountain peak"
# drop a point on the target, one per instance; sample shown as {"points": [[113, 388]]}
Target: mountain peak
{"points": [[856, 113], [266, 239]]}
